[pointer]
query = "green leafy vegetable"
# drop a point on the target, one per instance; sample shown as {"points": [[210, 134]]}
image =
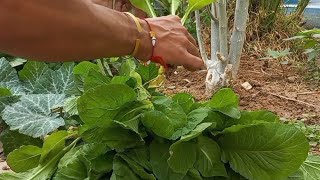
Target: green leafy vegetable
{"points": [[265, 151]]}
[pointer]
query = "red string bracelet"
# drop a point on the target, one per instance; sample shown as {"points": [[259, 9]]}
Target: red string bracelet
{"points": [[153, 58]]}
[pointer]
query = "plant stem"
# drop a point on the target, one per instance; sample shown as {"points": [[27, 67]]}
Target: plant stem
{"points": [[200, 39], [215, 40], [238, 34], [223, 28]]}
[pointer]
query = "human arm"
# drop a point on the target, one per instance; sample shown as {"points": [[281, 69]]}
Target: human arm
{"points": [[81, 30]]}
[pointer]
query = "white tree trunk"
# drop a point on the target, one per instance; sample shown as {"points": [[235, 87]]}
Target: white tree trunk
{"points": [[202, 47], [223, 29], [223, 64], [238, 34]]}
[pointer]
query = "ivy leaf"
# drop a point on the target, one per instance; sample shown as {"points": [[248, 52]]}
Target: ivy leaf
{"points": [[265, 151], [209, 158], [311, 168], [60, 81], [31, 74], [13, 140], [104, 102], [226, 102], [24, 158], [144, 5], [9, 78], [159, 154], [33, 115]]}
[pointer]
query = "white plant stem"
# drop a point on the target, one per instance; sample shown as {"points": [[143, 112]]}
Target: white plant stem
{"points": [[223, 30], [200, 39], [238, 34]]}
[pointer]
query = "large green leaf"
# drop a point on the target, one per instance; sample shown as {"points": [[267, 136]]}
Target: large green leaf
{"points": [[193, 174], [13, 140], [174, 6], [45, 169], [104, 102], [311, 168], [81, 72], [144, 5], [159, 154], [24, 158], [136, 168], [257, 116], [226, 102], [141, 156], [52, 145], [184, 100], [265, 151], [209, 158], [148, 73], [9, 78], [32, 73], [122, 171], [33, 115], [166, 119], [95, 79], [182, 157], [195, 5], [194, 118], [183, 153], [113, 135], [159, 123], [59, 81], [71, 166]]}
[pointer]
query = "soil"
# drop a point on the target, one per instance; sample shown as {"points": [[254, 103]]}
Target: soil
{"points": [[281, 89]]}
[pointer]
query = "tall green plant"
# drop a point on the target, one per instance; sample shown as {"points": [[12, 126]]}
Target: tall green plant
{"points": [[193, 5]]}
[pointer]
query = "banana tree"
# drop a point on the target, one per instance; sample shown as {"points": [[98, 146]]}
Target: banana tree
{"points": [[224, 61]]}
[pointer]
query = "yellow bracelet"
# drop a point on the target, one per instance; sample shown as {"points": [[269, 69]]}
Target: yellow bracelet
{"points": [[138, 41]]}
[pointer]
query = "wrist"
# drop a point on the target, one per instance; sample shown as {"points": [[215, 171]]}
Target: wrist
{"points": [[145, 51]]}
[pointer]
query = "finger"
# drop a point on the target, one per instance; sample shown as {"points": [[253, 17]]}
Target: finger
{"points": [[192, 49], [193, 63], [191, 39]]}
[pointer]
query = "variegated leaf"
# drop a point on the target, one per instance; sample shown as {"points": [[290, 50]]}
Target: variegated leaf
{"points": [[35, 115]]}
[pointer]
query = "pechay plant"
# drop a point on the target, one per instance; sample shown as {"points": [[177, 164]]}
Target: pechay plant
{"points": [[77, 122]]}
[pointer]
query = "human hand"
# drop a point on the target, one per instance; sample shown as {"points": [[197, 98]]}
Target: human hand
{"points": [[174, 43]]}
